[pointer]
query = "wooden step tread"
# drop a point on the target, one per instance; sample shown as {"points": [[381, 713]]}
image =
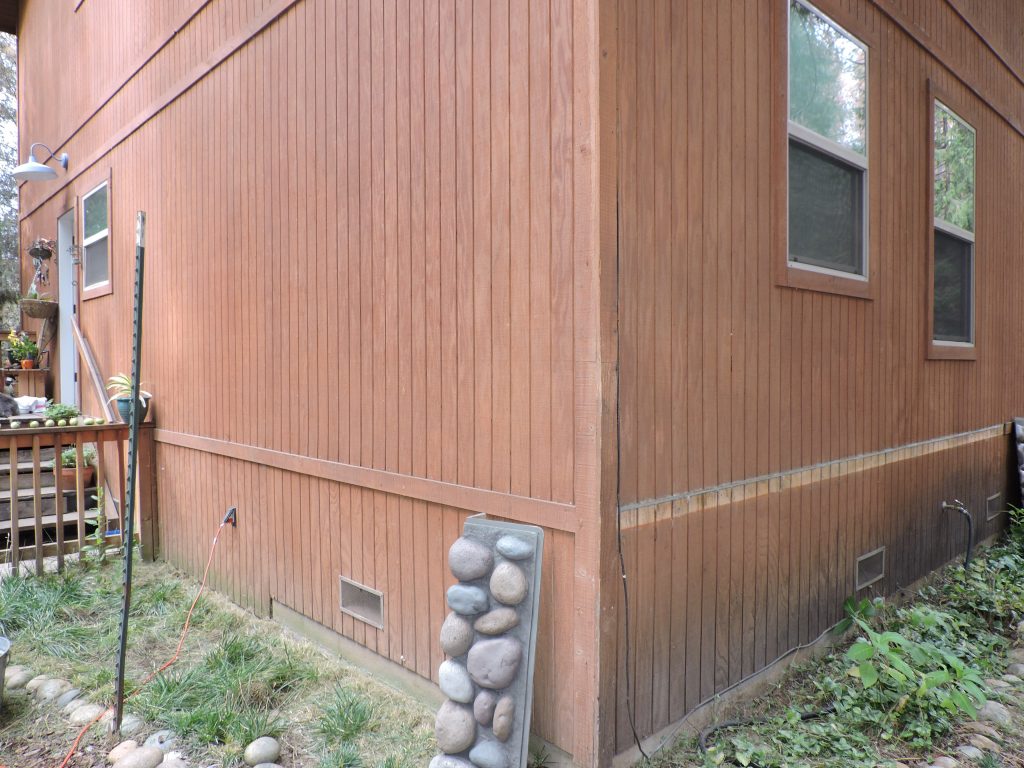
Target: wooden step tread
{"points": [[48, 521]]}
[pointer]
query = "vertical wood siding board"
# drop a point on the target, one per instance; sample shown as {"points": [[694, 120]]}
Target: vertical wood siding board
{"points": [[710, 250], [519, 246], [449, 360], [624, 694], [376, 295], [432, 255], [564, 640], [694, 247], [326, 358], [423, 628], [438, 609], [660, 271], [678, 138], [728, 359], [540, 248], [722, 518], [563, 209], [338, 207], [627, 256], [501, 329], [480, 284], [663, 567], [678, 615], [694, 599], [405, 234]]}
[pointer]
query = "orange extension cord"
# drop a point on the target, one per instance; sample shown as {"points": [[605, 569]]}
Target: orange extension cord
{"points": [[174, 658]]}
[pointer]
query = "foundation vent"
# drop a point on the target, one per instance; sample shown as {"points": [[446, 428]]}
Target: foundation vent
{"points": [[994, 506], [362, 602], [870, 568]]}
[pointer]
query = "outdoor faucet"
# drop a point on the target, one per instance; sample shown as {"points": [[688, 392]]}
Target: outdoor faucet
{"points": [[958, 506]]}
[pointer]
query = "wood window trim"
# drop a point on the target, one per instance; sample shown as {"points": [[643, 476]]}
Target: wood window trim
{"points": [[107, 288], [937, 350], [785, 273]]}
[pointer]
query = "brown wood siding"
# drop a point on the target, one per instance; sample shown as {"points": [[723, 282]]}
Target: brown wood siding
{"points": [[370, 231], [726, 377]]}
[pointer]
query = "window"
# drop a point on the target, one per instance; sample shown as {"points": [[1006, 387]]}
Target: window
{"points": [[828, 161], [953, 210], [95, 238]]}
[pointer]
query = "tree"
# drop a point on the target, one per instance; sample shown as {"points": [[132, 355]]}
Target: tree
{"points": [[9, 246]]}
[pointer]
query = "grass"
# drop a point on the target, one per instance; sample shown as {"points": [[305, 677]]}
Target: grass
{"points": [[901, 691], [240, 677]]}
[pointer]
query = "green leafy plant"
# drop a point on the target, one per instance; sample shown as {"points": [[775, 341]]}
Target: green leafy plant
{"points": [[58, 411], [21, 346], [120, 385], [69, 457]]}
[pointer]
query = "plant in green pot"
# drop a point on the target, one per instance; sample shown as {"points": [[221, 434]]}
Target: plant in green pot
{"points": [[120, 387]]}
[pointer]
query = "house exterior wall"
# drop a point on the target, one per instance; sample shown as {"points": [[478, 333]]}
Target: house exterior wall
{"points": [[770, 435], [371, 291]]}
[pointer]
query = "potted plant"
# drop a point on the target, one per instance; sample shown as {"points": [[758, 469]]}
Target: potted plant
{"points": [[69, 464], [22, 349], [38, 305], [120, 387]]}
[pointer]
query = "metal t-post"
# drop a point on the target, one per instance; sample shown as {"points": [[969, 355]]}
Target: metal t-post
{"points": [[128, 493]]}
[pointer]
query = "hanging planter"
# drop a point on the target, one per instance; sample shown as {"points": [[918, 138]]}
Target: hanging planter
{"points": [[38, 308], [42, 249]]}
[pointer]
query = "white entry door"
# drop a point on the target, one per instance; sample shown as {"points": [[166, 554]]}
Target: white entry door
{"points": [[68, 306]]}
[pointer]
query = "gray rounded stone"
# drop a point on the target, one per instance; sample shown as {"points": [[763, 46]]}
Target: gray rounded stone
{"points": [[1016, 669], [469, 560], [1012, 679], [496, 621], [449, 761], [66, 698], [456, 635], [969, 752], [131, 724], [454, 727], [489, 754], [984, 742], [86, 713], [265, 749], [268, 765], [467, 600], [164, 740], [454, 682], [17, 677], [508, 584], [143, 757], [945, 762], [483, 707], [51, 689], [514, 548], [991, 712], [121, 750], [175, 761], [1016, 655], [504, 717], [494, 663], [73, 705], [35, 682]]}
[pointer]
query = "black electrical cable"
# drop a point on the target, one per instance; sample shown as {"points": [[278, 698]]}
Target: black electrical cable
{"points": [[702, 738]]}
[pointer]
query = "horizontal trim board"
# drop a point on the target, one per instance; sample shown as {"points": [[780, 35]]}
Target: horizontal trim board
{"points": [[172, 94], [547, 514], [640, 513]]}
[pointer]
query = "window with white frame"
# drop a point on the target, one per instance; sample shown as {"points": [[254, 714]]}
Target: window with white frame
{"points": [[953, 269], [828, 145], [95, 238]]}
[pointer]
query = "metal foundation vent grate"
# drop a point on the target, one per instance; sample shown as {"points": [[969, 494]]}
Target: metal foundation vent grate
{"points": [[362, 602], [870, 568], [994, 506]]}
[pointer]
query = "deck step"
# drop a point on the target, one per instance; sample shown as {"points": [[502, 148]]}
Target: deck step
{"points": [[25, 477], [24, 454], [50, 521], [26, 509]]}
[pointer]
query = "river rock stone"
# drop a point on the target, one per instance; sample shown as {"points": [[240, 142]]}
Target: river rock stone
{"points": [[467, 600], [1013, 679], [456, 635], [969, 752], [496, 621], [143, 757], [945, 762], [66, 698], [1016, 655], [984, 730], [265, 749], [1016, 669], [86, 713], [51, 690], [514, 548], [494, 663], [454, 727], [176, 761], [131, 724], [73, 705], [449, 761], [17, 677], [121, 750], [508, 584], [165, 741], [469, 560], [35, 682], [483, 707], [991, 712], [985, 743], [489, 754], [453, 679], [504, 717], [267, 765]]}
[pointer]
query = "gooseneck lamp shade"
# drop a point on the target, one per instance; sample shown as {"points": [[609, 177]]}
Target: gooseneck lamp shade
{"points": [[33, 170]]}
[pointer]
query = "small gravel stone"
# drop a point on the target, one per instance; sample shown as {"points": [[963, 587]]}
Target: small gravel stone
{"points": [[121, 750], [164, 740], [456, 635], [449, 761], [504, 718], [17, 677], [494, 663], [483, 707], [496, 622], [945, 762], [969, 752], [489, 754], [467, 600], [454, 682], [454, 727], [985, 743], [1016, 670], [469, 559], [66, 698], [264, 750], [143, 757], [994, 712], [514, 548], [86, 713], [508, 584]]}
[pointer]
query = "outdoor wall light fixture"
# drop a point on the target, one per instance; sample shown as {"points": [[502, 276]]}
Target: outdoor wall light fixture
{"points": [[33, 170]]}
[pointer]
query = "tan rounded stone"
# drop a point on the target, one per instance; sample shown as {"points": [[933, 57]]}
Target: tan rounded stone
{"points": [[508, 584], [504, 717]]}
